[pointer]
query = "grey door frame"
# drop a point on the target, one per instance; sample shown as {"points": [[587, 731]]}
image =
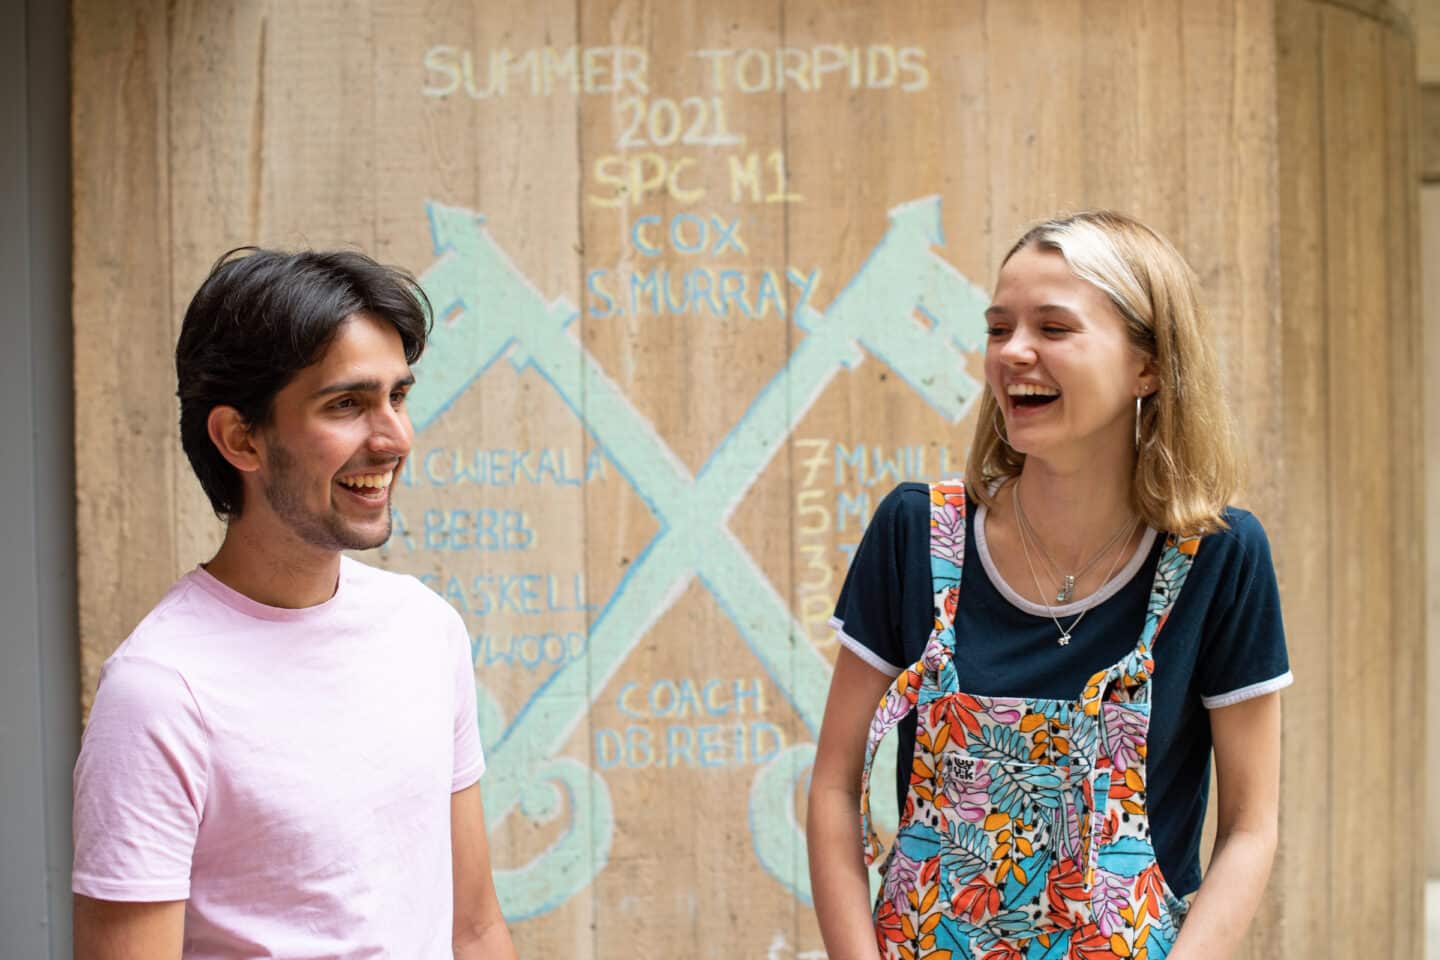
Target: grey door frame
{"points": [[39, 655]]}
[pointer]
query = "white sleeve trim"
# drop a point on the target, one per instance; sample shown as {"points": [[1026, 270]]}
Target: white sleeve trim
{"points": [[1248, 693], [862, 651]]}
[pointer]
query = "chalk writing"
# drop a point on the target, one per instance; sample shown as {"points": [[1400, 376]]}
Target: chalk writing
{"points": [[482, 530], [871, 465], [685, 745], [521, 594], [528, 650], [812, 533], [744, 743], [747, 180], [693, 122], [809, 69], [501, 467], [496, 312], [698, 291], [539, 72], [691, 698]]}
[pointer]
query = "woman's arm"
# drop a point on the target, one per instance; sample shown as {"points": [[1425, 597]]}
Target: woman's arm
{"points": [[1247, 772], [838, 878]]}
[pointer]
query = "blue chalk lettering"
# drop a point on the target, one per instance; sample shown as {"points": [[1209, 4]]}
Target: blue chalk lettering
{"points": [[679, 743], [608, 749], [592, 284], [677, 237], [622, 706], [726, 236], [846, 506], [637, 237], [758, 749], [707, 696], [855, 458], [753, 694], [769, 294], [712, 752]]}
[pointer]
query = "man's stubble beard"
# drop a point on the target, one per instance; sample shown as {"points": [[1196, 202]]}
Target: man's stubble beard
{"points": [[327, 531]]}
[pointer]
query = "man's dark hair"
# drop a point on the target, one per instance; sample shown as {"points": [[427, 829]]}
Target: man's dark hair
{"points": [[261, 317]]}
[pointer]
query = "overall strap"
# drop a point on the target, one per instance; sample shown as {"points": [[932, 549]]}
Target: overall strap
{"points": [[947, 557], [1130, 678]]}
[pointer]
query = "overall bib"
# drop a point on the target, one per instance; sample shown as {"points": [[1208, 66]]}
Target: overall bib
{"points": [[1024, 834]]}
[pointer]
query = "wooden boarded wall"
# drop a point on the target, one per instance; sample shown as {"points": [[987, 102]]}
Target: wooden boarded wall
{"points": [[710, 280]]}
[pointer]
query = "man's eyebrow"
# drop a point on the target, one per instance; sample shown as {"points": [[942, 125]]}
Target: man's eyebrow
{"points": [[361, 386]]}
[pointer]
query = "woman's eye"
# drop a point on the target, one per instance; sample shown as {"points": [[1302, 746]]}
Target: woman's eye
{"points": [[995, 331], [1053, 331]]}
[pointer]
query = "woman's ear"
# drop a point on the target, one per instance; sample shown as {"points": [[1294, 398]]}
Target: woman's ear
{"points": [[232, 437]]}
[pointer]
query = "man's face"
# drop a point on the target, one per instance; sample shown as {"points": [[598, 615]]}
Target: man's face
{"points": [[337, 435]]}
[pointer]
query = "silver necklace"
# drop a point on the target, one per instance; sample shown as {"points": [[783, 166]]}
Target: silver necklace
{"points": [[1065, 634], [1066, 581]]}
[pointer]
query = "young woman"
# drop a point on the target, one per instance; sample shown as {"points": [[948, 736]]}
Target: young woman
{"points": [[1061, 639]]}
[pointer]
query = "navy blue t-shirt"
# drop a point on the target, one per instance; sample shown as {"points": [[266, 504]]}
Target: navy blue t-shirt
{"points": [[1223, 643]]}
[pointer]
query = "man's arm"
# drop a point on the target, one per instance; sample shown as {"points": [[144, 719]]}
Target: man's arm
{"points": [[479, 930], [110, 930]]}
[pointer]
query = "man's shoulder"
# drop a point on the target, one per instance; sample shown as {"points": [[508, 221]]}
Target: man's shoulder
{"points": [[182, 611], [393, 589]]}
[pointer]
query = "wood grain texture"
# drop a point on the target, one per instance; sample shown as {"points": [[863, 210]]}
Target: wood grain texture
{"points": [[125, 447], [1303, 551], [714, 489]]}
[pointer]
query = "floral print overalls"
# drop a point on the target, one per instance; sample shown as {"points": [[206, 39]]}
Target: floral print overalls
{"points": [[1024, 834]]}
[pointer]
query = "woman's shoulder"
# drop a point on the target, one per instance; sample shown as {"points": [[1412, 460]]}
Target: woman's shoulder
{"points": [[904, 501], [1236, 554]]}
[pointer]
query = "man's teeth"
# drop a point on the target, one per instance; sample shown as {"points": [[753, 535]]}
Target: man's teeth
{"points": [[1031, 390], [376, 481]]}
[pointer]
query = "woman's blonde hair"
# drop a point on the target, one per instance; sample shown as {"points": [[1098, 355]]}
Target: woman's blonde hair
{"points": [[1186, 469]]}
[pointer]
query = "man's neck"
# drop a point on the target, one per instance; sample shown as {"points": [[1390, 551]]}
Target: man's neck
{"points": [[274, 567]]}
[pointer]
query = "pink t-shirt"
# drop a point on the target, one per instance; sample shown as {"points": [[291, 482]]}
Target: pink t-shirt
{"points": [[287, 772]]}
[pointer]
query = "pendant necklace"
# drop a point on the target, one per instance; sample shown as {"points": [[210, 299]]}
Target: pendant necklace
{"points": [[1066, 581], [1065, 634]]}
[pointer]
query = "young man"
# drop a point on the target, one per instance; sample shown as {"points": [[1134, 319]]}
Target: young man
{"points": [[283, 758]]}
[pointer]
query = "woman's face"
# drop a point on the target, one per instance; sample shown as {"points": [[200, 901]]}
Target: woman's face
{"points": [[1061, 364]]}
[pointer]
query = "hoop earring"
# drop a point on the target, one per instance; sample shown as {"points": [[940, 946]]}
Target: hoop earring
{"points": [[998, 436], [1137, 423]]}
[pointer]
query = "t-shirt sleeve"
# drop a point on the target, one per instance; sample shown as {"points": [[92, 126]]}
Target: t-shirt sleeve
{"points": [[469, 761], [140, 785], [867, 618], [1244, 652]]}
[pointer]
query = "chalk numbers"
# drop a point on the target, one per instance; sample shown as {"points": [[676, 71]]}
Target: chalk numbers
{"points": [[663, 122]]}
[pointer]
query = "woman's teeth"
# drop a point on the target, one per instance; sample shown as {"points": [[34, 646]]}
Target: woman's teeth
{"points": [[1030, 394], [1031, 390]]}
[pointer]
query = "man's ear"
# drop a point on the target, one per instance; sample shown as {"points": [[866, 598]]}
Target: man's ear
{"points": [[233, 438]]}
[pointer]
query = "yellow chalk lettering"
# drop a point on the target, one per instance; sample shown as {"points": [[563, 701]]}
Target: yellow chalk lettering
{"points": [[912, 62], [743, 78], [827, 58], [790, 66], [441, 60], [613, 171], [596, 63], [676, 190], [559, 66], [632, 64], [717, 60], [881, 67]]}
